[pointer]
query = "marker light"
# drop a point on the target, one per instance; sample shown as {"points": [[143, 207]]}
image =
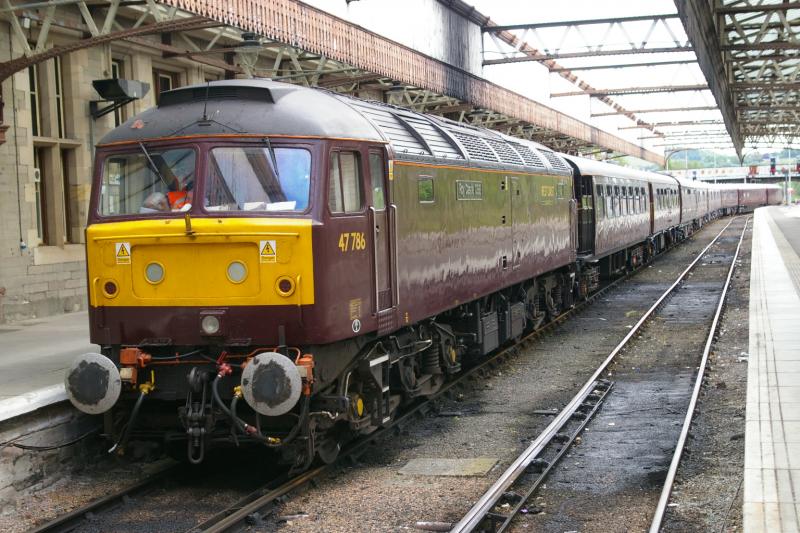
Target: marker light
{"points": [[154, 273], [285, 286], [210, 324], [110, 289]]}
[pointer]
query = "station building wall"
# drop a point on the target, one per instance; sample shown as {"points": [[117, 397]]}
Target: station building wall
{"points": [[42, 221]]}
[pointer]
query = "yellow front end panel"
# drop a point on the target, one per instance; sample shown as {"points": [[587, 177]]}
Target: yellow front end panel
{"points": [[189, 264]]}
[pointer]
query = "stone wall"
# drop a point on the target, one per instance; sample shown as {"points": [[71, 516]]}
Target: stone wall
{"points": [[40, 274], [33, 466]]}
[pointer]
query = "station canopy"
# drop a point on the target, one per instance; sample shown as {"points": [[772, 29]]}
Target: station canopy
{"points": [[290, 41], [694, 74]]}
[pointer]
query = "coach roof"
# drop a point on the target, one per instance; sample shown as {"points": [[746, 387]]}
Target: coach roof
{"points": [[592, 167]]}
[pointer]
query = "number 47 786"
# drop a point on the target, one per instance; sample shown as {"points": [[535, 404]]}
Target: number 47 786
{"points": [[353, 240]]}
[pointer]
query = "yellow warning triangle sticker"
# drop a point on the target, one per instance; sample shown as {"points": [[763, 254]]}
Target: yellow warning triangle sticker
{"points": [[267, 249], [123, 251]]}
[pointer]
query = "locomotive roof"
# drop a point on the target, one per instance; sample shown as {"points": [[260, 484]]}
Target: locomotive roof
{"points": [[265, 107], [259, 107]]}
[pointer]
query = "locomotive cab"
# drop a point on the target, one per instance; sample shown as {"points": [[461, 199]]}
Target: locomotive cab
{"points": [[205, 246]]}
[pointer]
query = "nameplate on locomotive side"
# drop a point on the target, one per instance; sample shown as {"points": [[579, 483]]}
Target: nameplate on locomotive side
{"points": [[469, 190]]}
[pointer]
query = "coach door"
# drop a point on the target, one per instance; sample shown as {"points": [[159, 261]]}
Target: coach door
{"points": [[585, 216], [381, 235]]}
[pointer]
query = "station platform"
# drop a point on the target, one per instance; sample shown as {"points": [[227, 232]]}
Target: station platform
{"points": [[772, 437], [33, 358]]}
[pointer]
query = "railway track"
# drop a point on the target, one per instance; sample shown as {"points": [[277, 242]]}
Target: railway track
{"points": [[256, 505], [501, 504]]}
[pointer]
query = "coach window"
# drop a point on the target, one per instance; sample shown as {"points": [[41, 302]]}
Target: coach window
{"points": [[601, 206], [627, 200], [623, 205], [344, 187], [617, 208], [631, 204], [643, 199], [609, 200]]}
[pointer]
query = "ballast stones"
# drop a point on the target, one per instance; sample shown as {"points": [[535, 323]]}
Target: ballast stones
{"points": [[271, 384], [93, 383]]}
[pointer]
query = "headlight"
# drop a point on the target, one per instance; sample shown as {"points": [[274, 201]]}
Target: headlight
{"points": [[210, 324], [237, 272], [154, 273]]}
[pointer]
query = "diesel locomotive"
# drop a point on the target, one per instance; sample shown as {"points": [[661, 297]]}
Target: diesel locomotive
{"points": [[287, 266]]}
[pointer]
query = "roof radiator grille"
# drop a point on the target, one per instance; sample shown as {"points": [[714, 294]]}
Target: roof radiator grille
{"points": [[529, 156], [505, 152], [475, 147], [556, 162]]}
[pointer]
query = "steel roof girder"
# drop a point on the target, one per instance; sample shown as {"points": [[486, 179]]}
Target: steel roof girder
{"points": [[699, 22]]}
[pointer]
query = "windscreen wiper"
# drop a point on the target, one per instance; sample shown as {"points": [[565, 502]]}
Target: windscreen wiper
{"points": [[273, 163], [152, 164]]}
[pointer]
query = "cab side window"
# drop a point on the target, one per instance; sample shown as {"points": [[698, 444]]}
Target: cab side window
{"points": [[376, 177], [344, 187]]}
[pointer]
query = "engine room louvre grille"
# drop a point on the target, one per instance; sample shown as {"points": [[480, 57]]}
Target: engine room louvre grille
{"points": [[402, 140], [529, 156], [556, 161], [441, 145], [475, 147], [506, 153]]}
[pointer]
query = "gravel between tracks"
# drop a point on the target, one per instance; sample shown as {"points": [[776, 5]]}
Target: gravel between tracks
{"points": [[495, 418], [492, 416]]}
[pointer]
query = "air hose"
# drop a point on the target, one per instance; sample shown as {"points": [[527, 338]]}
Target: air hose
{"points": [[251, 431], [129, 427]]}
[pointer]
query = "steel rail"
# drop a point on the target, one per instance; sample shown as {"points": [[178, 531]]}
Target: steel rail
{"points": [[484, 505], [74, 519], [666, 491], [227, 519], [230, 519], [599, 388], [234, 516]]}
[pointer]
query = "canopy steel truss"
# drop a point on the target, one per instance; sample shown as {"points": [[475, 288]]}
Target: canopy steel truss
{"points": [[756, 80], [638, 43], [301, 44]]}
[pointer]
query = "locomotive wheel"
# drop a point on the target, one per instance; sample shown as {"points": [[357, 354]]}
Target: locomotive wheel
{"points": [[329, 444], [328, 450]]}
